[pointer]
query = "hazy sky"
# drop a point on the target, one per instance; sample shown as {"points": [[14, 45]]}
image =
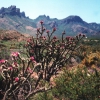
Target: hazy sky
{"points": [[88, 10]]}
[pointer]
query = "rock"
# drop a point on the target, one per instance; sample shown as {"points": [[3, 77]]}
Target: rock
{"points": [[1, 15], [23, 14], [12, 10], [2, 10], [53, 24], [73, 19]]}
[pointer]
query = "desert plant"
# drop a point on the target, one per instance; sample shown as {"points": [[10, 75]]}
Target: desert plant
{"points": [[92, 59], [23, 77], [50, 51], [75, 84], [78, 84], [4, 53]]}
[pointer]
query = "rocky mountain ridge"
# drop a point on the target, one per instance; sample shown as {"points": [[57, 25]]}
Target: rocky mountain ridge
{"points": [[12, 19], [71, 24], [12, 10]]}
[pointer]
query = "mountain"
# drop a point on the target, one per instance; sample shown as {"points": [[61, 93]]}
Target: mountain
{"points": [[12, 19], [71, 24]]}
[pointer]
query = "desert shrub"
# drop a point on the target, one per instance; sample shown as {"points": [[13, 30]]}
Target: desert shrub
{"points": [[47, 95], [92, 59], [4, 53], [78, 84], [75, 84], [92, 43]]}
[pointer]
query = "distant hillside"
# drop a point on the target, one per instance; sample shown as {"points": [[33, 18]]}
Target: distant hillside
{"points": [[12, 19], [11, 35]]}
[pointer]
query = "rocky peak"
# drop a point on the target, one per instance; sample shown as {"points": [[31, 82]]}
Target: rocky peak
{"points": [[23, 14], [12, 10], [70, 19], [44, 18]]}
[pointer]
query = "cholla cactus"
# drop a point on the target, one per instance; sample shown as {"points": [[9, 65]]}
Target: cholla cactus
{"points": [[14, 77], [47, 55], [52, 53]]}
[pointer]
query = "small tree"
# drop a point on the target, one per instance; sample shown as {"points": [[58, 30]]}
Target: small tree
{"points": [[22, 78]]}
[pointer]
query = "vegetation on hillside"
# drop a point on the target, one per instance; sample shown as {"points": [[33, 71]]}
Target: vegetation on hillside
{"points": [[41, 68]]}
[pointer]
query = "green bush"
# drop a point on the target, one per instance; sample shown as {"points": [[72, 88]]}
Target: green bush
{"points": [[4, 53], [78, 85]]}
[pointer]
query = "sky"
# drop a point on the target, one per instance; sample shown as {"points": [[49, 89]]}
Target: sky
{"points": [[88, 10]]}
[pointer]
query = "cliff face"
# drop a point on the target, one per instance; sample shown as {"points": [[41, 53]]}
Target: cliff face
{"points": [[12, 10]]}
